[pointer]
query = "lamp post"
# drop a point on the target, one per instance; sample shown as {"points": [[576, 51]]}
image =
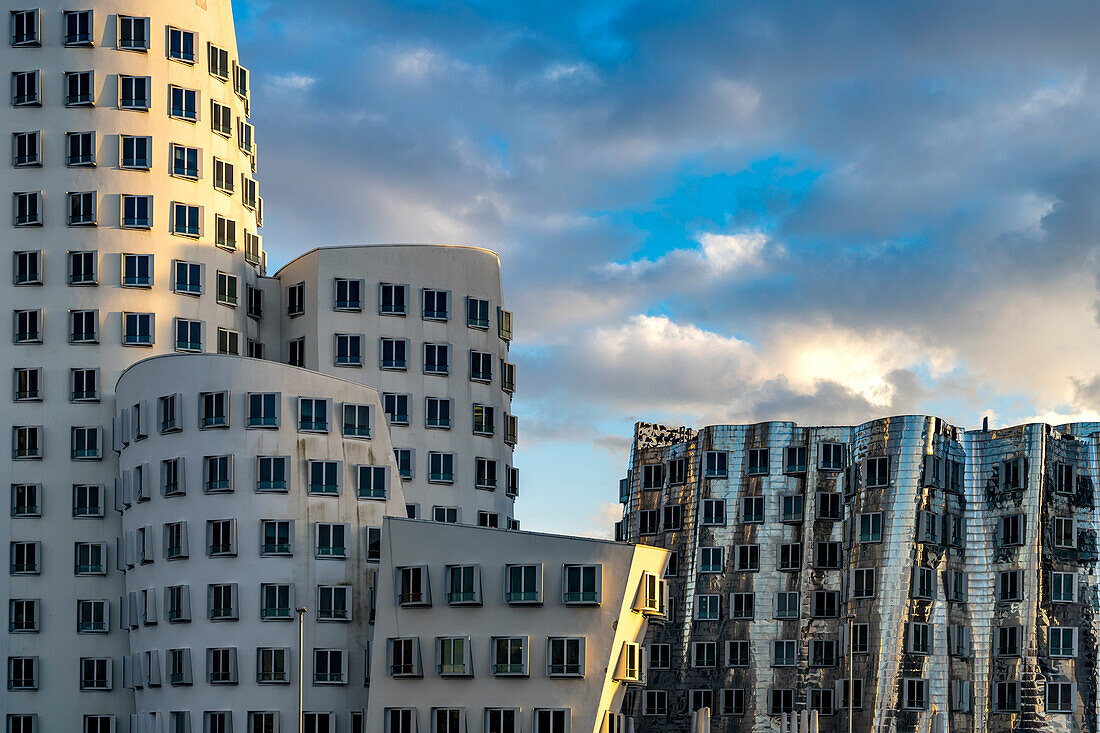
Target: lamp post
{"points": [[301, 668]]}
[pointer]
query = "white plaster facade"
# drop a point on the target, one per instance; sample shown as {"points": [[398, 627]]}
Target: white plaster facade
{"points": [[451, 333], [578, 608], [228, 536]]}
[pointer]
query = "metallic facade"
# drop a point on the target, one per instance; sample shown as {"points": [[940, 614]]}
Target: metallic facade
{"points": [[949, 573]]}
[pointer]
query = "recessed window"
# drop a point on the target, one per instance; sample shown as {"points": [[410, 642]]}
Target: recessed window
{"points": [[84, 385], [759, 462], [313, 415], [486, 473], [393, 299], [80, 149], [82, 208], [86, 444], [582, 584], [188, 335], [88, 500], [716, 464], [79, 89], [833, 457], [137, 270], [135, 152], [83, 326], [477, 313], [1063, 587], [275, 601], [484, 419], [481, 366], [829, 505], [396, 407], [436, 305], [91, 558], [394, 354], [223, 176], [26, 500], [26, 149], [296, 352], [786, 604], [271, 473], [437, 359], [324, 477], [790, 557], [25, 32], [372, 482], [349, 294], [25, 89], [28, 208], [225, 232], [714, 512], [27, 384], [924, 583], [219, 61], [185, 161], [186, 220], [217, 474], [827, 555], [523, 584], [181, 45], [752, 510], [222, 604], [221, 118], [28, 327], [183, 103], [277, 534], [78, 27], [404, 661], [137, 212], [790, 507], [135, 92], [870, 527], [133, 33], [26, 558], [441, 467], [863, 582], [23, 616], [509, 658], [878, 472], [349, 349], [826, 604]]}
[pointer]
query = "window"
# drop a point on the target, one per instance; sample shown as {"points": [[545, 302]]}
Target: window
{"points": [[23, 616], [276, 537], [821, 701], [652, 476], [26, 442], [447, 514], [221, 122], [225, 232], [551, 721], [221, 537], [826, 604], [863, 583], [313, 414], [356, 421], [328, 667], [95, 674], [78, 27], [463, 584], [829, 505], [1063, 641], [79, 88], [134, 92], [752, 510], [786, 604], [26, 149], [27, 384], [296, 352], [332, 540], [791, 507], [861, 639], [508, 379], [827, 555], [509, 655], [255, 302], [714, 512], [188, 277], [1009, 585], [742, 606], [659, 656], [83, 327], [249, 193], [565, 657], [349, 295], [84, 383], [1065, 478], [28, 208], [822, 653], [183, 103], [784, 653], [185, 220], [177, 602], [404, 458], [87, 500], [25, 558], [217, 474], [28, 268], [914, 694], [1065, 533], [221, 721], [441, 467], [223, 176], [261, 722], [219, 61], [188, 335], [673, 518], [1061, 697], [737, 654], [436, 305], [704, 654], [1006, 697], [919, 639], [221, 666], [82, 208], [263, 409], [708, 607], [254, 349], [372, 482], [747, 558], [175, 540], [25, 89], [271, 666], [504, 324], [1063, 588], [481, 366], [185, 163], [1012, 530], [404, 658], [582, 584], [80, 148], [214, 409], [22, 673], [393, 299], [477, 313], [181, 45], [1012, 475], [133, 33], [85, 444], [24, 32], [716, 464], [485, 476], [393, 353], [324, 477], [137, 270], [758, 462], [794, 459], [135, 153], [870, 527], [437, 359], [222, 601], [710, 559], [137, 213], [957, 586], [523, 584], [924, 582]]}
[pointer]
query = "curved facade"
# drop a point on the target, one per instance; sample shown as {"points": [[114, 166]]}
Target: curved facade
{"points": [[426, 325], [131, 152], [219, 546], [947, 573]]}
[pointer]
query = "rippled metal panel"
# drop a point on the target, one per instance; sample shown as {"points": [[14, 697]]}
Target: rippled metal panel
{"points": [[917, 675]]}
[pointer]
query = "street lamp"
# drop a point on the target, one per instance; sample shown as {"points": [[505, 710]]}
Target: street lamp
{"points": [[301, 667]]}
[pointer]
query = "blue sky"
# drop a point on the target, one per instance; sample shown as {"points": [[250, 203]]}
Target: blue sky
{"points": [[713, 212]]}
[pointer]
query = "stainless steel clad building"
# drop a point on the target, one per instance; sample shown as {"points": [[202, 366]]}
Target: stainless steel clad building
{"points": [[948, 574]]}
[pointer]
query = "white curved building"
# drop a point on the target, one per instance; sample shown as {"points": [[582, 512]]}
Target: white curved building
{"points": [[426, 325], [133, 233], [248, 489]]}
